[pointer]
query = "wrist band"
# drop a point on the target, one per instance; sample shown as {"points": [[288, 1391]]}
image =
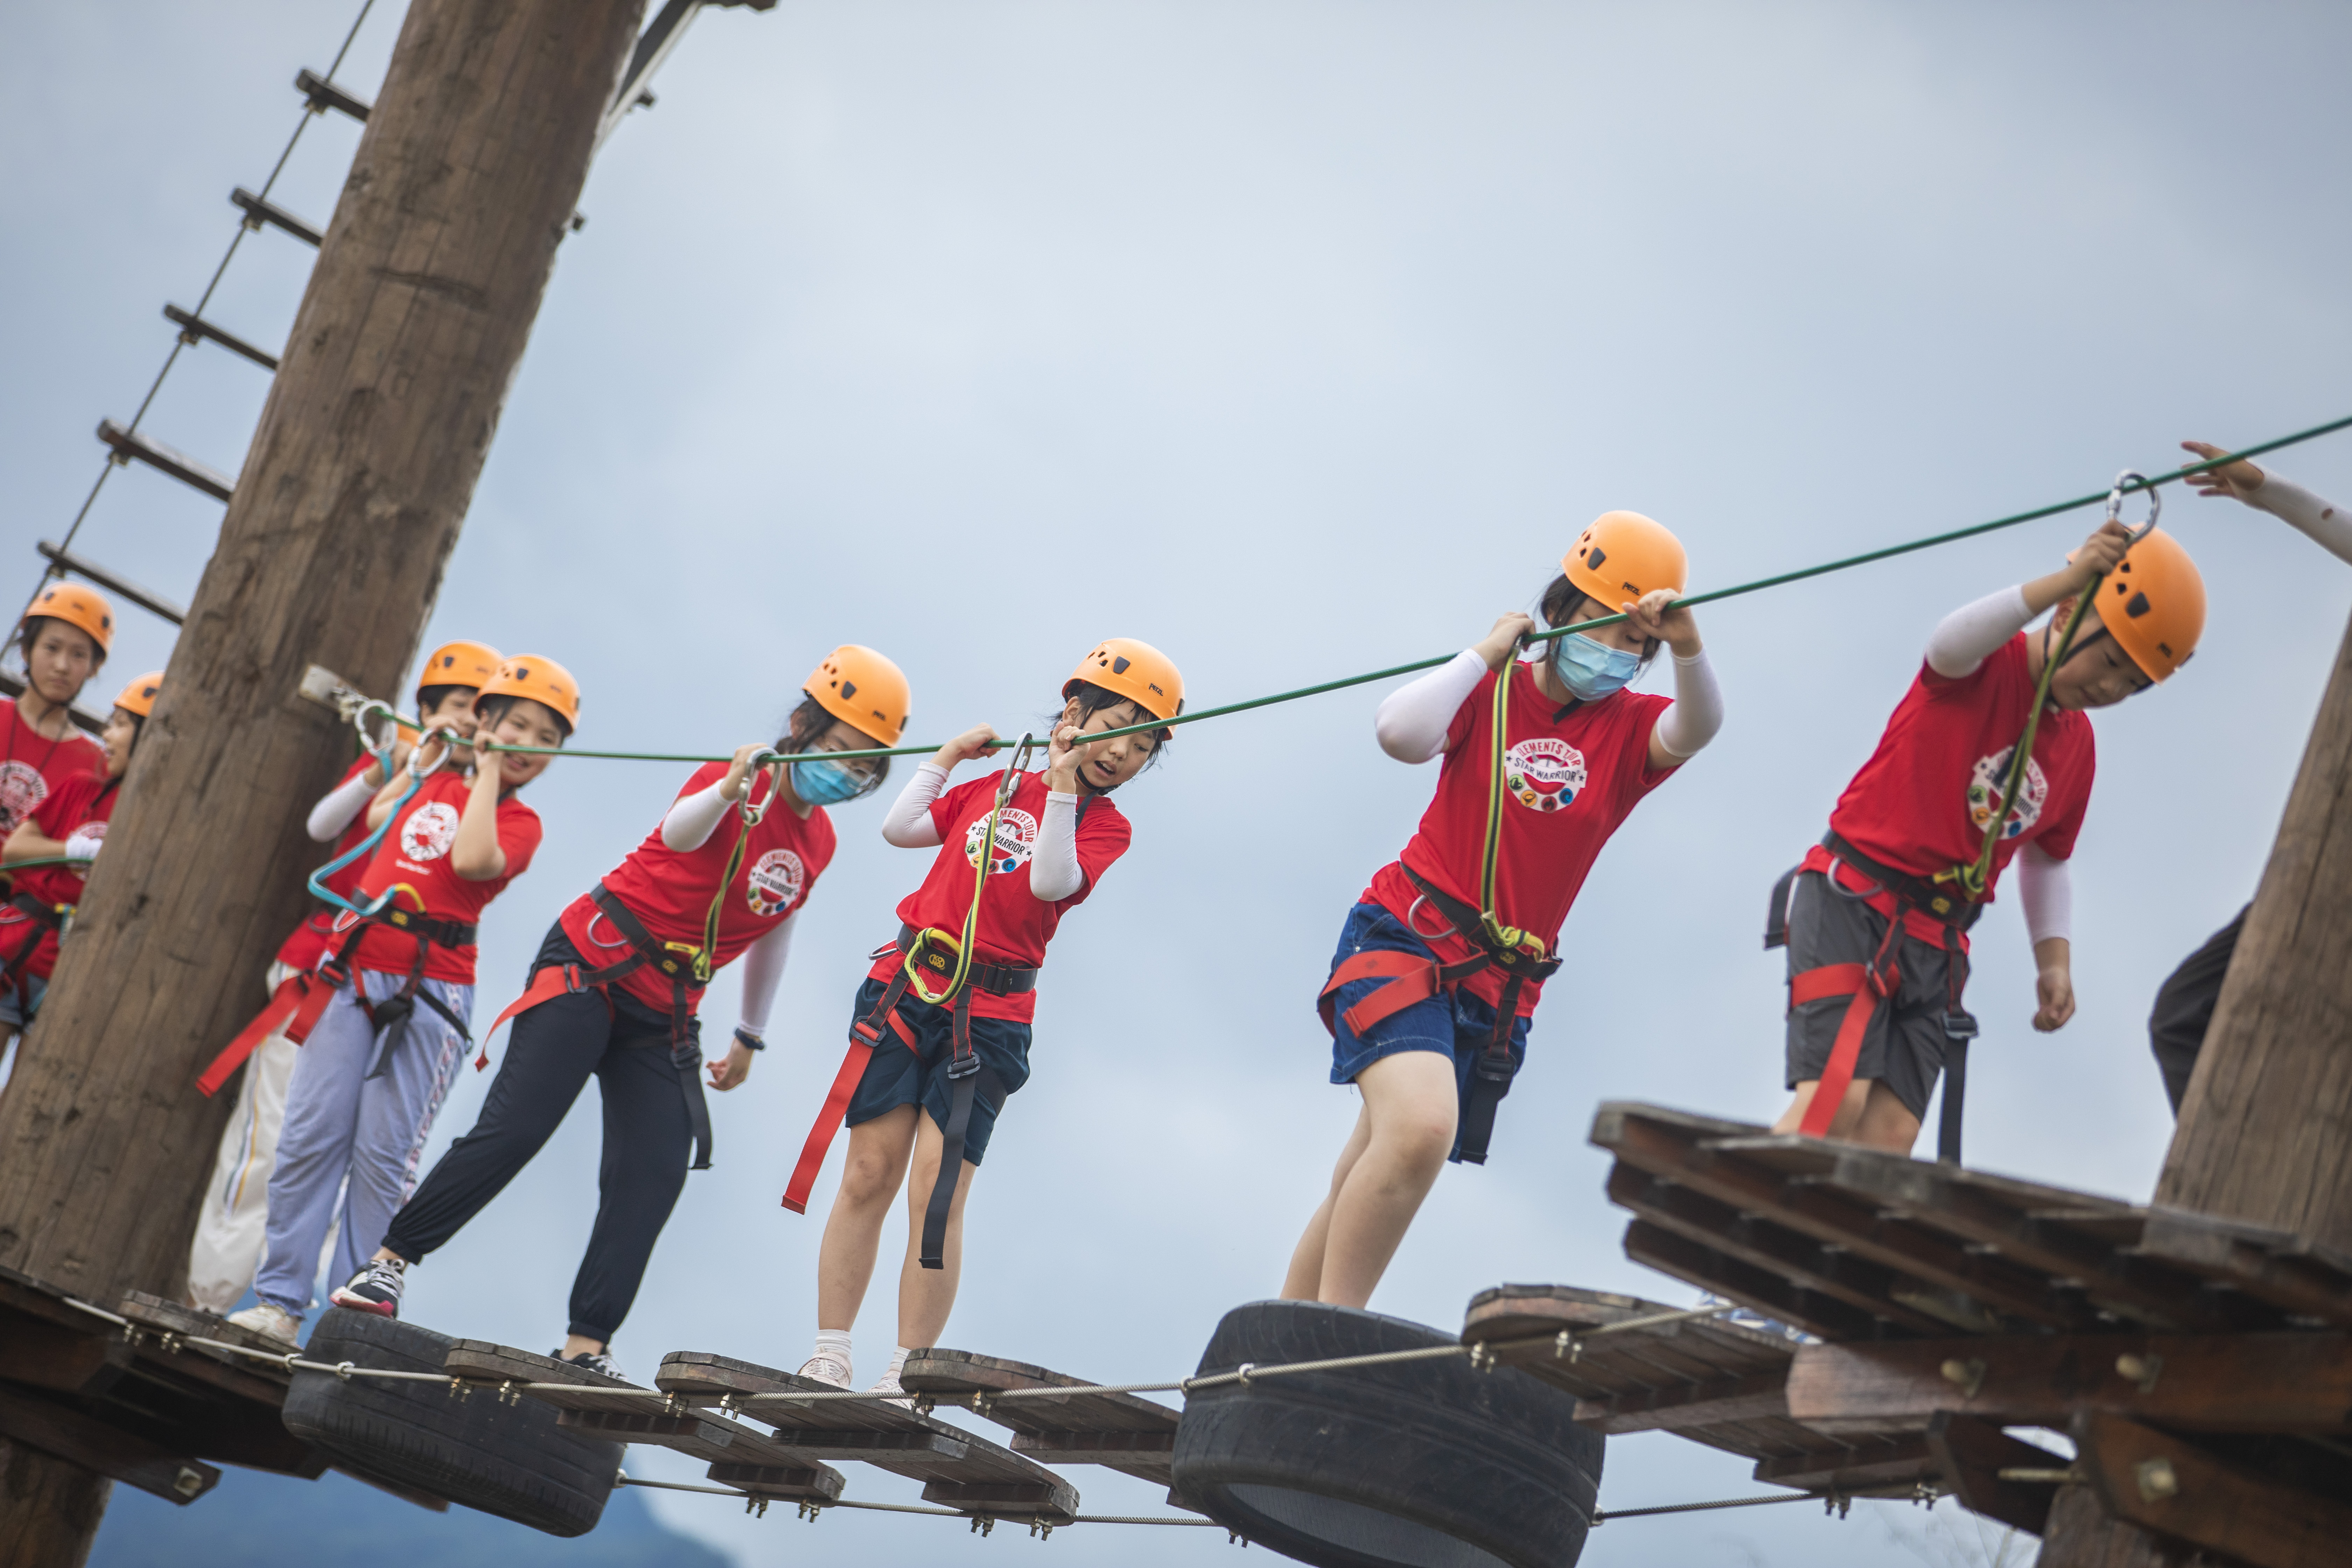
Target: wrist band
{"points": [[750, 1041]]}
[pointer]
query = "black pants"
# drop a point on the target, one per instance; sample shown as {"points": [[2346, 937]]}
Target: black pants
{"points": [[554, 1048], [2184, 1008]]}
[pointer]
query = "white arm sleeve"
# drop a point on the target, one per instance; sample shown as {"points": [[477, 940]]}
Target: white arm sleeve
{"points": [[1412, 719], [1054, 871], [1967, 637], [339, 808], [1698, 712], [909, 824], [2046, 888], [690, 822], [763, 967], [2326, 522]]}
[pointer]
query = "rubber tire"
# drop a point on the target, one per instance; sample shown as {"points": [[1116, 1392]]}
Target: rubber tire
{"points": [[1426, 1463], [506, 1459]]}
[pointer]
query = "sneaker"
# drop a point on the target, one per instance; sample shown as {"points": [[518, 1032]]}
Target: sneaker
{"points": [[598, 1361], [375, 1288], [826, 1369], [270, 1321], [891, 1385]]}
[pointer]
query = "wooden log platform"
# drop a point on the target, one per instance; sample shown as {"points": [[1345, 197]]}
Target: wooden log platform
{"points": [[1122, 1432], [958, 1469], [2203, 1366]]}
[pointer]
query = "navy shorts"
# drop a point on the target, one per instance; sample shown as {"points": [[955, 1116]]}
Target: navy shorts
{"points": [[896, 1076], [16, 1013], [1454, 1024]]}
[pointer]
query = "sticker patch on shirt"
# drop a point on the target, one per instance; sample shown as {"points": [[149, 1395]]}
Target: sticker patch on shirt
{"points": [[1016, 840], [1543, 774], [89, 830], [775, 882], [429, 831], [1985, 784], [21, 789]]}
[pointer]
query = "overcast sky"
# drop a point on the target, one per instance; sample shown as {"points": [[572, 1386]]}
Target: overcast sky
{"points": [[1298, 339]]}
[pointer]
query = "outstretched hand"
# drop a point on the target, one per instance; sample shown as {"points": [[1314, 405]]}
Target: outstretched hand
{"points": [[2238, 480], [1662, 616], [2054, 992], [971, 744], [730, 1070]]}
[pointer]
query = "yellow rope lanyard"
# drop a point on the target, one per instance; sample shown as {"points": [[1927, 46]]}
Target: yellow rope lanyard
{"points": [[750, 816], [1974, 878], [966, 943], [1488, 916]]}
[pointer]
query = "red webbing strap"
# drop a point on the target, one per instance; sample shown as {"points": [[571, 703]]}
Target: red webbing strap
{"points": [[289, 995], [1861, 983], [1411, 981], [546, 984], [828, 1120]]}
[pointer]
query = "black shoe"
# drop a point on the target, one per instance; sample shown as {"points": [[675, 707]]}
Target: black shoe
{"points": [[375, 1288], [597, 1361]]}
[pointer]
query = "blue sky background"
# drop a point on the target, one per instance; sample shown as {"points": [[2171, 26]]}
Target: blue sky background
{"points": [[1297, 338]]}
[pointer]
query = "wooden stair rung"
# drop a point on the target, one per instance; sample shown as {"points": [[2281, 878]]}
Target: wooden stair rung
{"points": [[135, 445], [193, 327], [259, 210]]}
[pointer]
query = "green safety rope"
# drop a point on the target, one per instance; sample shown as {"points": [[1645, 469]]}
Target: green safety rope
{"points": [[43, 860], [1866, 558], [1489, 914], [968, 943]]}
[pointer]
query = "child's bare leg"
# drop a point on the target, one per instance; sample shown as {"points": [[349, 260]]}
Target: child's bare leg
{"points": [[926, 1296], [1870, 1114], [1304, 1281], [853, 1231], [1409, 1115]]}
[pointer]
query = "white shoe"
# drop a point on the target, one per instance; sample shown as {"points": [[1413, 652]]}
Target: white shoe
{"points": [[270, 1321], [891, 1384], [826, 1369]]}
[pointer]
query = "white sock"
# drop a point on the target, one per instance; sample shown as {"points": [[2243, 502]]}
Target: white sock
{"points": [[835, 1343], [897, 1363]]}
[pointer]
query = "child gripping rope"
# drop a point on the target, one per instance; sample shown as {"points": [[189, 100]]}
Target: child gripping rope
{"points": [[1442, 960], [940, 1031], [1988, 758]]}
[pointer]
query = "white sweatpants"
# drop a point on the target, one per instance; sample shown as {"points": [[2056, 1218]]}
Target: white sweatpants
{"points": [[234, 1220]]}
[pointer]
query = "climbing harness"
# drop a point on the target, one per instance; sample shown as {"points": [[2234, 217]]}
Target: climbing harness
{"points": [[1410, 980], [969, 1077], [1953, 897]]}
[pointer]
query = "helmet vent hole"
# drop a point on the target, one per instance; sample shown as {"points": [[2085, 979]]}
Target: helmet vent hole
{"points": [[2137, 607]]}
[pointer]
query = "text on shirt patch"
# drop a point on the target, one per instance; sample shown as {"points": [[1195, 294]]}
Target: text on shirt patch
{"points": [[21, 789], [775, 882], [1543, 774], [1016, 840]]}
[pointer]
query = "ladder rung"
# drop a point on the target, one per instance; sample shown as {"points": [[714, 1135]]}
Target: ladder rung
{"points": [[325, 95], [131, 444], [12, 688], [146, 599], [193, 326], [258, 212]]}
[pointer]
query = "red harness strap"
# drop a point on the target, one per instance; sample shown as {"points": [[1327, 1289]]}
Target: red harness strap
{"points": [[293, 1011], [836, 1102], [1411, 981], [1869, 987], [546, 984]]}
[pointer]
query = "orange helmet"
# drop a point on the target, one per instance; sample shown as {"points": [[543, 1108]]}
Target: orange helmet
{"points": [[864, 690], [2153, 604], [76, 607], [1622, 556], [542, 680], [460, 664], [139, 697], [1137, 671]]}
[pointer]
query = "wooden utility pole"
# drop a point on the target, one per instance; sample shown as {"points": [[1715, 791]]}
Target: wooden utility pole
{"points": [[2262, 1134], [332, 553]]}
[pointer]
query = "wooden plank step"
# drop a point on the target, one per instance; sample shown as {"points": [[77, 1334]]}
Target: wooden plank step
{"points": [[2297, 1276], [957, 1469], [750, 1458], [480, 1361], [1119, 1431], [186, 1323]]}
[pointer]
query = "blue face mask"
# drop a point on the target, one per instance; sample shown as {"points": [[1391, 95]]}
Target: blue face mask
{"points": [[1588, 669], [824, 784]]}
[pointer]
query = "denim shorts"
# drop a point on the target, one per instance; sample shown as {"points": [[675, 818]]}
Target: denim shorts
{"points": [[1454, 1024], [16, 1015], [896, 1076]]}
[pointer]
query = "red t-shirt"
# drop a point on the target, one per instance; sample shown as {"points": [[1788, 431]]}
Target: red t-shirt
{"points": [[312, 940], [31, 764], [1921, 802], [82, 804], [1013, 927], [1569, 778], [669, 890], [415, 859]]}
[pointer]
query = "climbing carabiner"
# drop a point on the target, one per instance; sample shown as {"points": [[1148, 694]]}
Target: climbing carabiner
{"points": [[370, 707], [450, 741], [2124, 481], [1016, 767], [761, 758]]}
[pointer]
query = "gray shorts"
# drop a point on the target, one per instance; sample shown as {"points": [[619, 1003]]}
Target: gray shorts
{"points": [[1904, 1046]]}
